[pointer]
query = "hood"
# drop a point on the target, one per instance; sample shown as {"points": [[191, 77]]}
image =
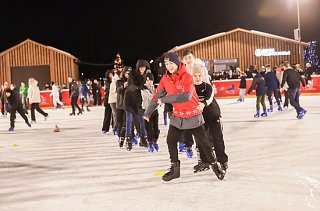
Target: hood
{"points": [[9, 91], [33, 82], [142, 63]]}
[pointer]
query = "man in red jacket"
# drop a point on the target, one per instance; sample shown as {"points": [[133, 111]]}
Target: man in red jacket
{"points": [[176, 87]]}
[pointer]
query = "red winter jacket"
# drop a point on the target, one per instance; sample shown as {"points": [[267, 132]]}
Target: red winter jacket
{"points": [[181, 93]]}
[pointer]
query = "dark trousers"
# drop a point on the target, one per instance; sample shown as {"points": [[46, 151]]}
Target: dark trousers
{"points": [[35, 106], [215, 135], [286, 99], [21, 112], [107, 117], [200, 137], [121, 125], [3, 105], [294, 95], [74, 104], [275, 93], [187, 137], [152, 127], [261, 100]]}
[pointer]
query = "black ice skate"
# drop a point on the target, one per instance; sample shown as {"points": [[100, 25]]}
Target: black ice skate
{"points": [[143, 142], [216, 168], [129, 143], [201, 167], [121, 141], [174, 172]]}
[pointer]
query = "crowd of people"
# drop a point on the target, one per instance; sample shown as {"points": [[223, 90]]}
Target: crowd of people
{"points": [[185, 91]]}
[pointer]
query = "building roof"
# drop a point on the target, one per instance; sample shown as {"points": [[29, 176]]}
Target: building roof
{"points": [[177, 48], [36, 43]]}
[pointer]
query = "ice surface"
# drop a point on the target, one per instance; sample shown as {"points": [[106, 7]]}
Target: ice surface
{"points": [[273, 165]]}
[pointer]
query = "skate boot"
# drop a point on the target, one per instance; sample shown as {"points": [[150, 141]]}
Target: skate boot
{"points": [[201, 166], [143, 142], [11, 129], [129, 143], [182, 147], [270, 109], [174, 172], [121, 141], [224, 166], [301, 113], [165, 122], [151, 147], [156, 147], [189, 152], [256, 115], [279, 108], [216, 168], [264, 114]]}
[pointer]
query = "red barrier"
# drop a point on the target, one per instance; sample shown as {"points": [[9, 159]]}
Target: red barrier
{"points": [[230, 88]]}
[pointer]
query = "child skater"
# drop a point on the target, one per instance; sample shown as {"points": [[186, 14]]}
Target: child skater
{"points": [[213, 127]]}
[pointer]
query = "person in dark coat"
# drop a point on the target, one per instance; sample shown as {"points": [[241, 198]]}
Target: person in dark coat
{"points": [[259, 85], [293, 78], [15, 106], [74, 94], [272, 84]]}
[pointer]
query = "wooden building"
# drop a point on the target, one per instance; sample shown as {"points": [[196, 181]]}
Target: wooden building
{"points": [[243, 48], [32, 59]]}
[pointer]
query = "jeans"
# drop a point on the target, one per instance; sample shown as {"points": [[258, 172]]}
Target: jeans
{"points": [[129, 121], [294, 95]]}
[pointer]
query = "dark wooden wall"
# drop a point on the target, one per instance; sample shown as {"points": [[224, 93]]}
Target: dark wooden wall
{"points": [[242, 45], [30, 53]]}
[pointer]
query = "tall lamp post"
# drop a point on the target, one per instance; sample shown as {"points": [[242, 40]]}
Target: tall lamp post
{"points": [[299, 36]]}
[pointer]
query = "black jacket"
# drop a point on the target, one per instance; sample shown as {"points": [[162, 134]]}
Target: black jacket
{"points": [[106, 92], [293, 79], [13, 100], [272, 82], [243, 83], [211, 111], [120, 93], [259, 85]]}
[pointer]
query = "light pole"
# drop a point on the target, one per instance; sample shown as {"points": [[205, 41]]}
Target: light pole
{"points": [[299, 36]]}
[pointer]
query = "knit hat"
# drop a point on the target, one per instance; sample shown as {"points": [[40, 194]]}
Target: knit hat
{"points": [[149, 76], [255, 71], [8, 90], [172, 57]]}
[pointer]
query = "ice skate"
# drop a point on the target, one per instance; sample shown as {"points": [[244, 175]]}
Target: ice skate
{"points": [[174, 172], [264, 114], [279, 108], [121, 142], [156, 147], [11, 129], [129, 143], [201, 167], [151, 147], [216, 167], [270, 109], [301, 114], [182, 147], [189, 152], [257, 115], [143, 142]]}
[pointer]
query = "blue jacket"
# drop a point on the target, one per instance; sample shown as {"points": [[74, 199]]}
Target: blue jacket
{"points": [[272, 82]]}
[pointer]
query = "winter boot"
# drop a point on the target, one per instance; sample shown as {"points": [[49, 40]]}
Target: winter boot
{"points": [[264, 114], [270, 109], [256, 115], [151, 147], [182, 147], [174, 172], [189, 152], [143, 142], [216, 168], [201, 167], [279, 108], [129, 143], [121, 141]]}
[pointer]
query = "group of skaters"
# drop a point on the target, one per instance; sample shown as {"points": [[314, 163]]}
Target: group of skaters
{"points": [[14, 100], [131, 109], [271, 82]]}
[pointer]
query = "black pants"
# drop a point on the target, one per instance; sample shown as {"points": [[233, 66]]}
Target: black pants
{"points": [[3, 105], [107, 117], [286, 99], [215, 136], [74, 104], [200, 137], [35, 106], [187, 137], [121, 125], [275, 93], [261, 100], [152, 127], [13, 115]]}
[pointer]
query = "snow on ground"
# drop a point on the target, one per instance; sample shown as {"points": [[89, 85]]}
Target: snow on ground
{"points": [[273, 165]]}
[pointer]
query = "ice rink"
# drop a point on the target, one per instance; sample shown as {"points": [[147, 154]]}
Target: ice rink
{"points": [[274, 164]]}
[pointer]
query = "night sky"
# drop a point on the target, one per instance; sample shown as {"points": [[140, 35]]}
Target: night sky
{"points": [[94, 31]]}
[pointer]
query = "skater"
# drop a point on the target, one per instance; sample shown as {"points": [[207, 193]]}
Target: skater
{"points": [[293, 78], [242, 86], [24, 96], [4, 104], [259, 85], [152, 126], [55, 96], [177, 87], [112, 100], [15, 106], [133, 103], [213, 127], [122, 85], [74, 94], [272, 84], [34, 100], [83, 94], [107, 107]]}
